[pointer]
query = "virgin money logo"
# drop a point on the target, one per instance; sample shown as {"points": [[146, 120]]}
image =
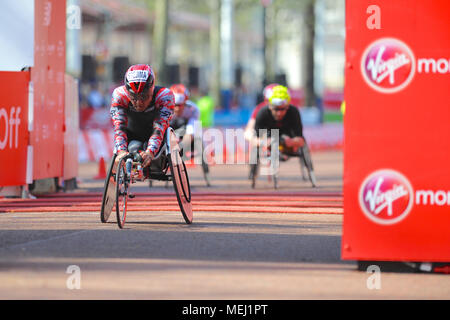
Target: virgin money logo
{"points": [[388, 65], [386, 197]]}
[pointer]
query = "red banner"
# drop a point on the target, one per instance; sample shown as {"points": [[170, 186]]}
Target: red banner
{"points": [[91, 118], [397, 136], [13, 127], [71, 129], [47, 75]]}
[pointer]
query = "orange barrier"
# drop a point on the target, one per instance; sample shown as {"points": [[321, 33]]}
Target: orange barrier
{"points": [[298, 203], [397, 137], [47, 137], [71, 129], [14, 128], [46, 145], [101, 174]]}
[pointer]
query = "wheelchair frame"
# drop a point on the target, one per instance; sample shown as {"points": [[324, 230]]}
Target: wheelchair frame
{"points": [[205, 168], [119, 180], [306, 164]]}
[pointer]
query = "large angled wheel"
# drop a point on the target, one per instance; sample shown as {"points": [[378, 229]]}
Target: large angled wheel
{"points": [[205, 166], [275, 181], [180, 178], [306, 161], [205, 169], [122, 185], [109, 193], [253, 175]]}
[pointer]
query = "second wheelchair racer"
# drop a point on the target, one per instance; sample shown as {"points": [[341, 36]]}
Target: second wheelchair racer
{"points": [[250, 127], [186, 116], [280, 114]]}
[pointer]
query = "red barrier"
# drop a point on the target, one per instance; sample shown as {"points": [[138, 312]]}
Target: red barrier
{"points": [[91, 118], [397, 137], [71, 129], [13, 127], [47, 75]]}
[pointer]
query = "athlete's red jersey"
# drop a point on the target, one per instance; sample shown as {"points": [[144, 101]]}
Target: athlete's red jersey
{"points": [[148, 125]]}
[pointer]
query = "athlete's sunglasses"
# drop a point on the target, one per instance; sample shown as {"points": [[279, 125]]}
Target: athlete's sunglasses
{"points": [[139, 96], [279, 108]]}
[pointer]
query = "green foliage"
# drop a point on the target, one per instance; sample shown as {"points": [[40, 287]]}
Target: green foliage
{"points": [[332, 116], [287, 11]]}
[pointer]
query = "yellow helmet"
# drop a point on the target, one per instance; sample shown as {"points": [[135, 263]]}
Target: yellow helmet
{"points": [[280, 96]]}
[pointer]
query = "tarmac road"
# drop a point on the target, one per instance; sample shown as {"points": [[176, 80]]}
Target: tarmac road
{"points": [[222, 255]]}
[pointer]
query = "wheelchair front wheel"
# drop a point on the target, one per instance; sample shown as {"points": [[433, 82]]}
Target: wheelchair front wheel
{"points": [[122, 185], [181, 185], [180, 180], [305, 159], [205, 169]]}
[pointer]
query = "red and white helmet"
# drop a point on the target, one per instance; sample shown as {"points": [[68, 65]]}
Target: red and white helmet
{"points": [[181, 93], [139, 79], [267, 92]]}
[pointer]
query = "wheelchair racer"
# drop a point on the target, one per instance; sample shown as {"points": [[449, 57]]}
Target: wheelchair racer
{"points": [[280, 114], [186, 116], [141, 113], [250, 127]]}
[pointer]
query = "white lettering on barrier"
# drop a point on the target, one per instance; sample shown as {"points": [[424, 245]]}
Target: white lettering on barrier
{"points": [[11, 123], [439, 197], [47, 14], [374, 21], [4, 115], [428, 65], [445, 63]]}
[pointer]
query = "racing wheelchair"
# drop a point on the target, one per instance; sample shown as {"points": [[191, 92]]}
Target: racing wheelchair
{"points": [[283, 154], [167, 165], [191, 152]]}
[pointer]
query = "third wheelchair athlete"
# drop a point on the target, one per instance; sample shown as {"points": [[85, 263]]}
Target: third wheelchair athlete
{"points": [[281, 115], [186, 115], [185, 122]]}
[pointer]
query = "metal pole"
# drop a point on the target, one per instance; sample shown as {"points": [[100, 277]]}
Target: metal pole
{"points": [[226, 35], [215, 52], [308, 60], [160, 38], [266, 78]]}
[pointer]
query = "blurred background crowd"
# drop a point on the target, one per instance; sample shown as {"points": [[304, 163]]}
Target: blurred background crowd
{"points": [[224, 51]]}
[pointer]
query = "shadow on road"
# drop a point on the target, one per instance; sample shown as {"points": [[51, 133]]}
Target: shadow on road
{"points": [[183, 244]]}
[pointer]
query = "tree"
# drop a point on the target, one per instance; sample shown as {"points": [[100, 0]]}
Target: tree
{"points": [[308, 56], [215, 51], [160, 38], [281, 17]]}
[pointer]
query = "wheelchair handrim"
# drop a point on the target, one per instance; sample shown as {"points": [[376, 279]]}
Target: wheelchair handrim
{"points": [[184, 179], [121, 196], [104, 216], [185, 205]]}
